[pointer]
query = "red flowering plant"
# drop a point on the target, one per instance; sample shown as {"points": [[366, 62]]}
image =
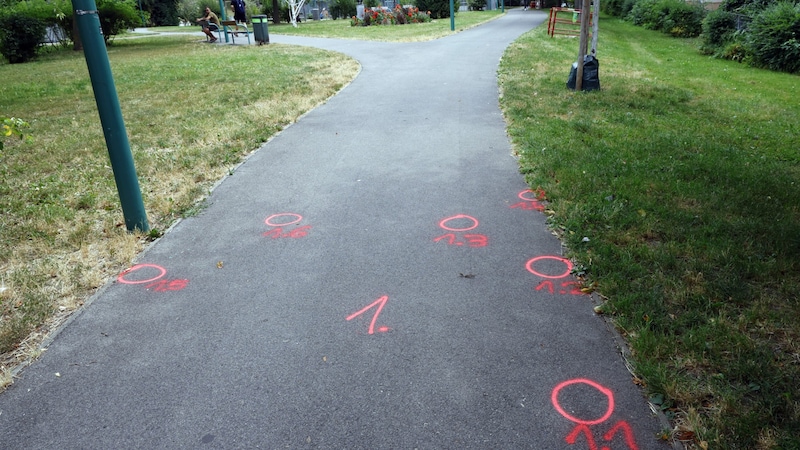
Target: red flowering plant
{"points": [[384, 16]]}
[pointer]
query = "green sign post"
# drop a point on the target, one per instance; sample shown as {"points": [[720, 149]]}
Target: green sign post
{"points": [[105, 95], [452, 17]]}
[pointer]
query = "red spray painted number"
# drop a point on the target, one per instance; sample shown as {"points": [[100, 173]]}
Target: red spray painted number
{"points": [[583, 427], [276, 233], [539, 266], [378, 305], [459, 224], [471, 240], [167, 285], [281, 221], [567, 287], [530, 200], [154, 282]]}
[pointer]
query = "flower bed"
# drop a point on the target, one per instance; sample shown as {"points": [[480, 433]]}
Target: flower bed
{"points": [[400, 15]]}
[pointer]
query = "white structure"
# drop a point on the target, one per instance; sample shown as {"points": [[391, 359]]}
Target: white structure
{"points": [[295, 6]]}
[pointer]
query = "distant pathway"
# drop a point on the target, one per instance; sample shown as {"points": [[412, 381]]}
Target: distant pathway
{"points": [[377, 276]]}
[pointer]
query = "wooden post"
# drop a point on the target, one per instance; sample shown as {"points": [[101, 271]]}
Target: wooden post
{"points": [[583, 44], [595, 26]]}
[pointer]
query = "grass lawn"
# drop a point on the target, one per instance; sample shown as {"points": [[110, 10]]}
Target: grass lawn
{"points": [[682, 173]]}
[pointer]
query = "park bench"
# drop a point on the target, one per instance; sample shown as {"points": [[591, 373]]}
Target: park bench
{"points": [[229, 26]]}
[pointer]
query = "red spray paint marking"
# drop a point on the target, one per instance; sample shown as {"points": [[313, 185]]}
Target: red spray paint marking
{"points": [[534, 206], [529, 203], [276, 233], [568, 287], [456, 217], [470, 240], [587, 433], [583, 425], [381, 302], [627, 433], [269, 220], [531, 262], [121, 278], [605, 391], [155, 282], [281, 220], [167, 285], [538, 195]]}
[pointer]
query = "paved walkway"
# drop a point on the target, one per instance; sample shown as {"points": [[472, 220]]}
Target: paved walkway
{"points": [[376, 276]]}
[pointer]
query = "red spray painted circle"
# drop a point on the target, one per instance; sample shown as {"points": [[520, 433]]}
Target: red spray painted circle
{"points": [[605, 391], [456, 217], [523, 197], [121, 277], [269, 219]]}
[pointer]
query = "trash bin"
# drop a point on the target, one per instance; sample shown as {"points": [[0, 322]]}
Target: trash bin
{"points": [[260, 31], [315, 13], [591, 74]]}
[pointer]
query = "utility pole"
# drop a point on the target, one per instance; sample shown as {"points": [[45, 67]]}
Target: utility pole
{"points": [[105, 95]]}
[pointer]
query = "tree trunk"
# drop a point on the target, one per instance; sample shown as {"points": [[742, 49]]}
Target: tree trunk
{"points": [[276, 12]]}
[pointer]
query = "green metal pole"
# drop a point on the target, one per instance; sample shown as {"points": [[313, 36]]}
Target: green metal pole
{"points": [[105, 95], [222, 16], [502, 6], [452, 17]]}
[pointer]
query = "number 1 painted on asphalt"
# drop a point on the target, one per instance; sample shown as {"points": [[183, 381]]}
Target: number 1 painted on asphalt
{"points": [[380, 303]]}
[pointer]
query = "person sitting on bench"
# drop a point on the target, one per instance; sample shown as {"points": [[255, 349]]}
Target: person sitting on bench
{"points": [[210, 24]]}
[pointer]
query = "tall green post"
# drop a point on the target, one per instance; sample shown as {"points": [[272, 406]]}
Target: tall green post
{"points": [[223, 16], [105, 95], [452, 17]]}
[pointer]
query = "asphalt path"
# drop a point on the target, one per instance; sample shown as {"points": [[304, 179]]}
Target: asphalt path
{"points": [[376, 276]]}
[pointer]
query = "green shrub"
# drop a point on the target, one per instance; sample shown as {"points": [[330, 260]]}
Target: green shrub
{"points": [[645, 14], [476, 5], [773, 38], [439, 9], [55, 13], [719, 28], [627, 6], [746, 7], [617, 8], [116, 16], [735, 51], [251, 9], [162, 12], [674, 17], [20, 37], [343, 8], [683, 19]]}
